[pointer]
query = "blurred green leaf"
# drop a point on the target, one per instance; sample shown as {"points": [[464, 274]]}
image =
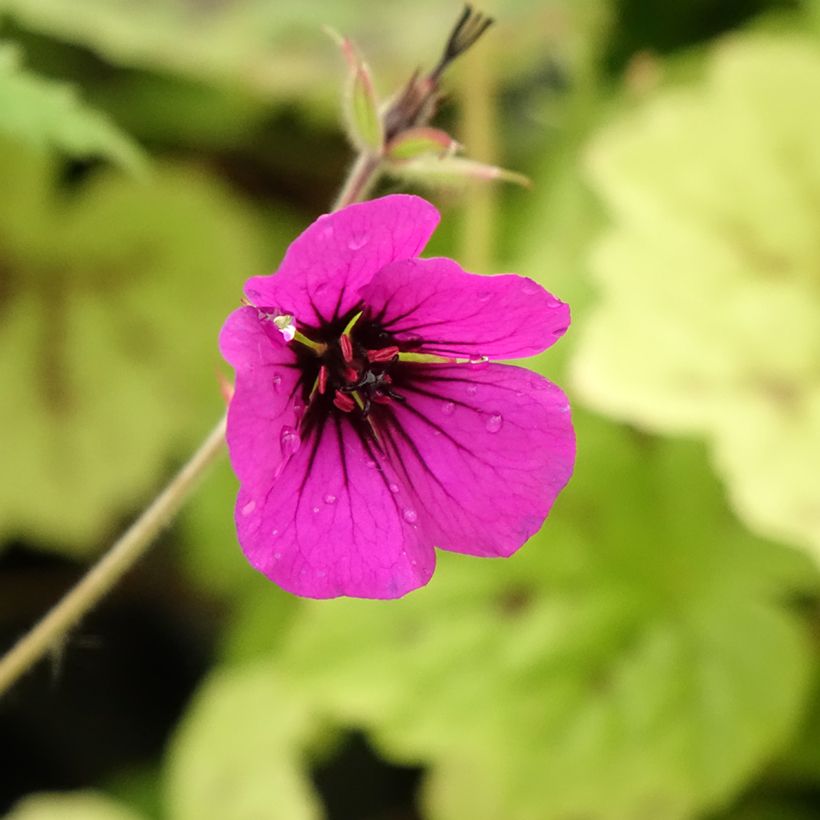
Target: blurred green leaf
{"points": [[238, 753], [48, 114], [709, 317], [277, 49], [112, 297], [71, 806], [605, 672]]}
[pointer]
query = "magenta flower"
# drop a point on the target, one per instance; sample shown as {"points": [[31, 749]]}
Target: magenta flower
{"points": [[368, 427]]}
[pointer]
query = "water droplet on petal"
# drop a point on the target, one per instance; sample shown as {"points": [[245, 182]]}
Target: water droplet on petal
{"points": [[277, 380], [410, 516], [472, 389], [249, 508], [277, 556], [554, 303], [372, 465], [330, 499], [448, 408], [530, 288], [357, 242], [494, 423], [478, 359], [289, 441], [484, 296], [394, 488], [274, 533], [315, 509]]}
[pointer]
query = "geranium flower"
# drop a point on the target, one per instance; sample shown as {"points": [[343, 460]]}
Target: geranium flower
{"points": [[368, 426]]}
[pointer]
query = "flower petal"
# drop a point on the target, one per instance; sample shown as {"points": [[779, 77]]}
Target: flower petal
{"points": [[336, 522], [486, 449], [263, 412], [456, 313], [325, 268]]}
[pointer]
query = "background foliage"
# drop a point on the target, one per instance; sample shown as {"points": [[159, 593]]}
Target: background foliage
{"points": [[652, 652]]}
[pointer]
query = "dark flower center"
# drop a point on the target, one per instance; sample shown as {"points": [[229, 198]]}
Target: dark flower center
{"points": [[349, 367]]}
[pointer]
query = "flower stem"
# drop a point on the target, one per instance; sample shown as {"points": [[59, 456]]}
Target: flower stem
{"points": [[362, 177], [131, 545], [136, 540]]}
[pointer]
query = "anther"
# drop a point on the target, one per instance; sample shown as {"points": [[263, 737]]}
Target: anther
{"points": [[351, 375], [346, 346], [344, 402], [384, 354], [322, 384]]}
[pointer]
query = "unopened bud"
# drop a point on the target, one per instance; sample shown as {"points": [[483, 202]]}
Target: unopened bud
{"points": [[361, 107], [449, 170], [419, 142]]}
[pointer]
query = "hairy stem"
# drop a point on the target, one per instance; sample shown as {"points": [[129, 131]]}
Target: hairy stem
{"points": [[112, 566], [136, 540], [362, 177]]}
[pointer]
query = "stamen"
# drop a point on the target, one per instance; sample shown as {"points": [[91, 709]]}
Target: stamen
{"points": [[351, 375], [344, 402], [319, 348], [286, 326], [427, 358], [322, 380], [351, 324], [384, 354], [346, 344]]}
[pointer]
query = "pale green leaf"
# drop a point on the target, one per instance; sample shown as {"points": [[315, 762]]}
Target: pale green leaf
{"points": [[112, 300], [616, 643], [45, 114], [85, 805], [277, 49], [709, 313], [238, 754]]}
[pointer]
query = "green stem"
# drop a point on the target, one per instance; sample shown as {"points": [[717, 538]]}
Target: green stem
{"points": [[136, 540], [362, 177], [131, 545]]}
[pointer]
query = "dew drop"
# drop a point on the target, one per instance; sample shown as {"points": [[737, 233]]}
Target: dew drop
{"points": [[289, 441], [479, 359], [554, 303], [372, 465], [530, 289], [277, 556], [472, 389], [330, 499], [484, 296], [494, 423], [357, 242], [249, 508], [448, 408], [315, 509], [277, 380], [394, 488], [409, 515], [274, 532]]}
